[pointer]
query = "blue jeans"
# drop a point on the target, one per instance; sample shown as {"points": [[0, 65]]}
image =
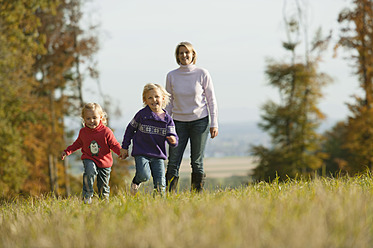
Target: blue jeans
{"points": [[146, 167], [197, 131], [103, 177]]}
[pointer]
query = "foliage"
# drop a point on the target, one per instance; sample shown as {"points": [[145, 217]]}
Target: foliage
{"points": [[292, 123], [324, 212], [336, 161], [357, 37], [41, 45], [19, 43]]}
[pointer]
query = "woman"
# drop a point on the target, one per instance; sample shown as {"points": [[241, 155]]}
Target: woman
{"points": [[192, 105]]}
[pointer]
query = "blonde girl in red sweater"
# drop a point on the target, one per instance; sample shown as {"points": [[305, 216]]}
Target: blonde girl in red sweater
{"points": [[96, 141]]}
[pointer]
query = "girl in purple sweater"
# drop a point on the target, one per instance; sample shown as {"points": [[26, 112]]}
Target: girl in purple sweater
{"points": [[150, 130]]}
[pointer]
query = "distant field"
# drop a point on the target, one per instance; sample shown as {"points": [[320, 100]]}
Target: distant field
{"points": [[222, 167], [221, 172], [219, 167]]}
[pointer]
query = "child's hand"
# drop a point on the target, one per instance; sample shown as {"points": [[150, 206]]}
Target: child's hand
{"points": [[171, 139], [123, 153], [63, 155]]}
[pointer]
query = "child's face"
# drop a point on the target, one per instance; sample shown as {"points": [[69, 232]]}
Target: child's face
{"points": [[185, 56], [154, 99], [91, 118]]}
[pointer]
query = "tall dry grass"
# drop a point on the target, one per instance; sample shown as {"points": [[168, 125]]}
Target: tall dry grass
{"points": [[298, 213]]}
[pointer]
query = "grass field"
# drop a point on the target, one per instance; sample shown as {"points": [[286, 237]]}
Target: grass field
{"points": [[298, 213]]}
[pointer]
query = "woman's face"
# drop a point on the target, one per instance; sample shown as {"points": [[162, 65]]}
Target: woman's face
{"points": [[185, 56]]}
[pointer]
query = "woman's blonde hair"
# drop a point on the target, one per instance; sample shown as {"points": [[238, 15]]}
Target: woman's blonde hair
{"points": [[190, 48], [95, 106], [161, 89]]}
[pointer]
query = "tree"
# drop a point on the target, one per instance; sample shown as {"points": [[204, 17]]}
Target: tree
{"points": [[336, 161], [357, 37], [292, 123], [41, 43], [20, 41], [60, 78]]}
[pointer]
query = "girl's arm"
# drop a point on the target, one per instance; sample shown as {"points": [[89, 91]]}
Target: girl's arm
{"points": [[130, 131], [78, 144], [171, 135], [113, 143]]}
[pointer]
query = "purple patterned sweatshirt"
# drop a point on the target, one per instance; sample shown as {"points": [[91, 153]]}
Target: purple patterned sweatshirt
{"points": [[148, 133]]}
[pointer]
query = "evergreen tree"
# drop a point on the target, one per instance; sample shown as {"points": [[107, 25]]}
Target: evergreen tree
{"points": [[292, 123], [335, 162]]}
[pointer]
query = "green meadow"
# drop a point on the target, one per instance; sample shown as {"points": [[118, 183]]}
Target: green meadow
{"points": [[322, 212]]}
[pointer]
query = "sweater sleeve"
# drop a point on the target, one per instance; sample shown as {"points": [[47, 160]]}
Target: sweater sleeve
{"points": [[171, 130], [113, 143], [211, 99], [130, 131], [78, 144]]}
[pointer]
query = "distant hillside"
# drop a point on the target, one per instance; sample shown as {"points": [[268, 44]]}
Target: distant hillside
{"points": [[234, 139]]}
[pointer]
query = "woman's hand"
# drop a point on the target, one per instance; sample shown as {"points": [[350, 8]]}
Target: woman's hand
{"points": [[214, 132]]}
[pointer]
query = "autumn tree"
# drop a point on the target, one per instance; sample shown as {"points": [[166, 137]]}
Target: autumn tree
{"points": [[60, 77], [292, 123], [20, 42], [357, 37], [42, 46]]}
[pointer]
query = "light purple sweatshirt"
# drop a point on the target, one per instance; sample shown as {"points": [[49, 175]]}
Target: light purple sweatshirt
{"points": [[192, 94]]}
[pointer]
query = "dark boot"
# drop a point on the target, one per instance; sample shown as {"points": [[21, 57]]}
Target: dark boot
{"points": [[171, 182], [198, 181]]}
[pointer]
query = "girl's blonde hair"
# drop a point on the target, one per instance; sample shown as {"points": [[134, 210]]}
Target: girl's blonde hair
{"points": [[161, 89], [190, 48], [95, 106]]}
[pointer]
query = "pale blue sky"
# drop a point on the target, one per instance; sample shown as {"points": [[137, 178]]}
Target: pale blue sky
{"points": [[232, 38]]}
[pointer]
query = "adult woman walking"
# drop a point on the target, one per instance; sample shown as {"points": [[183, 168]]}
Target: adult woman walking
{"points": [[193, 105]]}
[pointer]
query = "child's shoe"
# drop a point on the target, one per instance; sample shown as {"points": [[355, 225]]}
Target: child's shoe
{"points": [[134, 188], [88, 200]]}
